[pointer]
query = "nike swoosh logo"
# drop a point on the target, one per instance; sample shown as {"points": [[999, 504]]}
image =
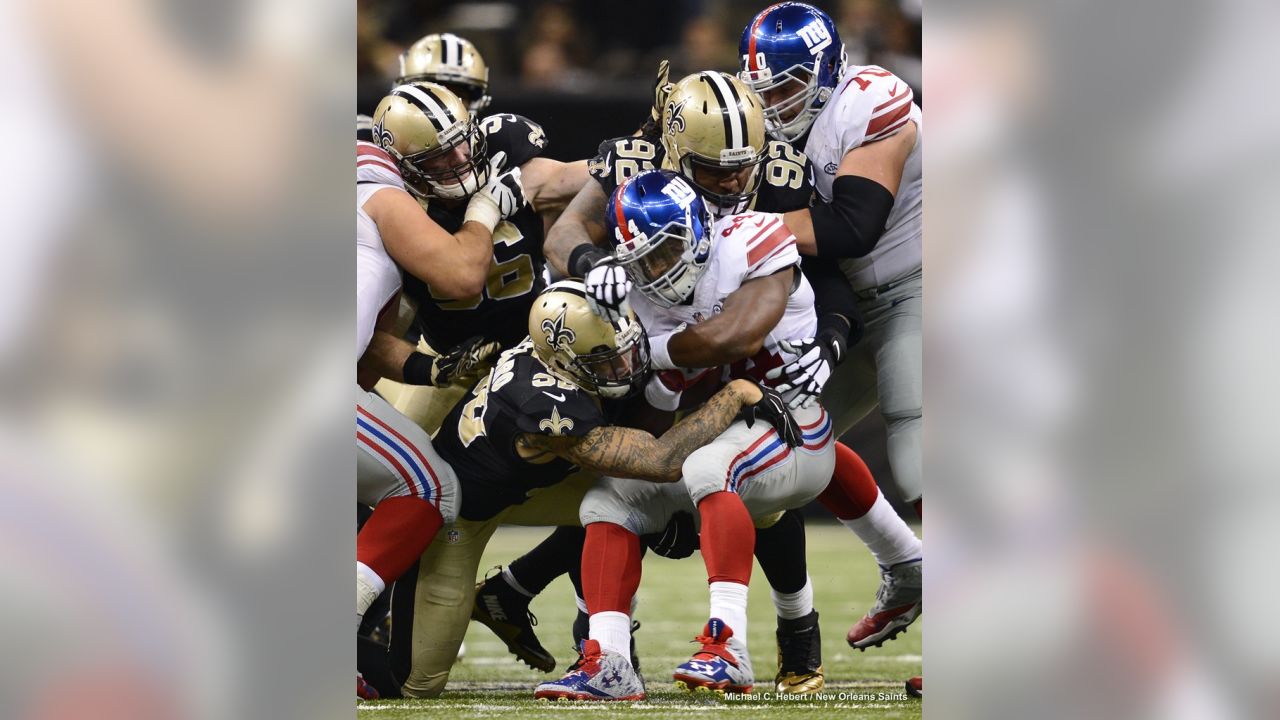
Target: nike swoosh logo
{"points": [[557, 398], [894, 91]]}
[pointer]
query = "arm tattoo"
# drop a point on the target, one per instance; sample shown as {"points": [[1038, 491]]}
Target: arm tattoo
{"points": [[630, 453]]}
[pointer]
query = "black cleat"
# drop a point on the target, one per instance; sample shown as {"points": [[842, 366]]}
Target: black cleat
{"points": [[799, 656], [505, 611]]}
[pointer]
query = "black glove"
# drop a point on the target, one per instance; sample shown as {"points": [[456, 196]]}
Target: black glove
{"points": [[677, 540], [464, 362], [773, 410]]}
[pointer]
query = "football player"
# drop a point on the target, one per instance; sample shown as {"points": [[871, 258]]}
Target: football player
{"points": [[861, 127], [517, 443], [718, 299], [713, 130], [445, 59], [444, 154], [500, 306], [412, 491]]}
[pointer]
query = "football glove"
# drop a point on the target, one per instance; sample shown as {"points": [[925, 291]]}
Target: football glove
{"points": [[677, 540], [607, 286], [661, 89], [773, 409], [464, 362], [500, 198], [808, 372]]}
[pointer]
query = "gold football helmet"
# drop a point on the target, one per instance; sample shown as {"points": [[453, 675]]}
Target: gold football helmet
{"points": [[713, 133], [451, 61], [435, 141], [609, 359]]}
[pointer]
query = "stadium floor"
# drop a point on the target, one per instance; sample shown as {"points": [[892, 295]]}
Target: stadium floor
{"points": [[673, 599]]}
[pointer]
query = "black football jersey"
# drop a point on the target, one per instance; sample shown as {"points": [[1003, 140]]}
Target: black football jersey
{"points": [[478, 438], [501, 311], [787, 183]]}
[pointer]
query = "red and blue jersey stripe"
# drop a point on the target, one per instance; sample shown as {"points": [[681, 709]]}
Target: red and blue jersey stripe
{"points": [[769, 450], [398, 454]]}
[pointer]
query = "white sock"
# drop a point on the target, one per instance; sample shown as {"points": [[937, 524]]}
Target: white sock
{"points": [[515, 585], [791, 606], [729, 603], [885, 534], [613, 631], [582, 604], [368, 587]]}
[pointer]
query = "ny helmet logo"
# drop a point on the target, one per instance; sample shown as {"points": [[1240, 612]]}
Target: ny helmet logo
{"points": [[815, 36]]}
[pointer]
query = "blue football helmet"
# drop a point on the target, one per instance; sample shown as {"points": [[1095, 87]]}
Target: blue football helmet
{"points": [[792, 58], [661, 234]]}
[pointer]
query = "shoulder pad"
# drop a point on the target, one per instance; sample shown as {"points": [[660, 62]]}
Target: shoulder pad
{"points": [[620, 158], [762, 239], [788, 179], [519, 137], [559, 411], [873, 103], [373, 164]]}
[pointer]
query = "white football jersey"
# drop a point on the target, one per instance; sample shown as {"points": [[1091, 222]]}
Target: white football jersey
{"points": [[869, 104], [743, 247], [377, 276]]}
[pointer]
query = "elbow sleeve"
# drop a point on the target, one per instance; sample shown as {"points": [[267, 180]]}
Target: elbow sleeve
{"points": [[851, 224], [834, 300]]}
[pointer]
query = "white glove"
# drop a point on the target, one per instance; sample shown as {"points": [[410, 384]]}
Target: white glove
{"points": [[607, 287], [501, 197], [808, 372]]}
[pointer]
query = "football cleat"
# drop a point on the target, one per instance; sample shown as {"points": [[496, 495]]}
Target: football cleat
{"points": [[597, 675], [722, 665], [799, 656], [898, 604], [505, 611], [582, 626], [915, 687], [364, 690]]}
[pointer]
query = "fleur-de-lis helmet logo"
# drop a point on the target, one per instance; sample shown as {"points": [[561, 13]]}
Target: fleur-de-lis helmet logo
{"points": [[383, 136], [675, 117], [557, 334]]}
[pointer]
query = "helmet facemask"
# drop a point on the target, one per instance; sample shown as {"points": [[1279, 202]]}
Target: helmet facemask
{"points": [[706, 174], [615, 372], [453, 170], [666, 266], [790, 117]]}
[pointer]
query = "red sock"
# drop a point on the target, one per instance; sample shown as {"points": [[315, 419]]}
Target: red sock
{"points": [[610, 568], [396, 534], [852, 491], [728, 538]]}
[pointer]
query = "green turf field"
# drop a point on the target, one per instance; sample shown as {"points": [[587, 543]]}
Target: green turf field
{"points": [[673, 607]]}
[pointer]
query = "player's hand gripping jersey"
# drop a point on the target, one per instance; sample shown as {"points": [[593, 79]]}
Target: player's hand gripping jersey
{"points": [[515, 277], [869, 104], [377, 276], [519, 396]]}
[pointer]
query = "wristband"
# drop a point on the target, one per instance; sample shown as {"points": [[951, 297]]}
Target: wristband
{"points": [[418, 369], [583, 258], [659, 356], [482, 209]]}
